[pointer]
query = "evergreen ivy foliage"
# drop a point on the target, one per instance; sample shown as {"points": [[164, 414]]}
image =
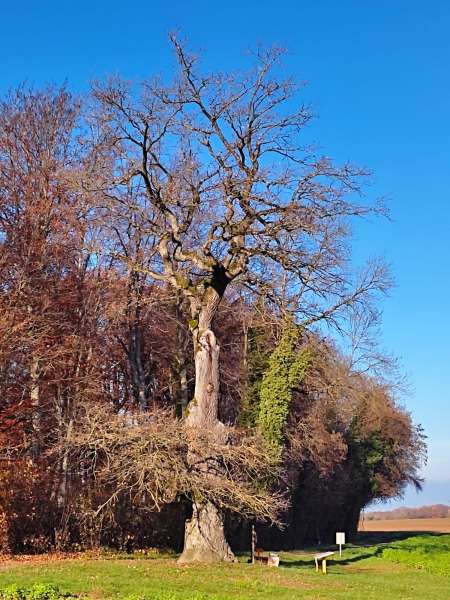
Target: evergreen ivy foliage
{"points": [[286, 370], [258, 355]]}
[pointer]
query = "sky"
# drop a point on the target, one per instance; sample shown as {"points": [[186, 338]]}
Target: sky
{"points": [[379, 82]]}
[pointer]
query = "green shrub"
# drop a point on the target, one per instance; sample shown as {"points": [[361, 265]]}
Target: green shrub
{"points": [[39, 591], [13, 592], [45, 591], [169, 596]]}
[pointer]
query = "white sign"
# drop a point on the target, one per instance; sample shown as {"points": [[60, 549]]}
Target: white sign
{"points": [[340, 538]]}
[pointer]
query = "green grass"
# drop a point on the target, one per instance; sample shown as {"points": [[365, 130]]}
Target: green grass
{"points": [[428, 552], [367, 572]]}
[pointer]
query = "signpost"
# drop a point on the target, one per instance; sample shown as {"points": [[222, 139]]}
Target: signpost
{"points": [[253, 544], [340, 540]]}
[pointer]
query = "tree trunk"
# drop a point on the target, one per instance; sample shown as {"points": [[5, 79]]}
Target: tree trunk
{"points": [[36, 424], [205, 533], [204, 538], [138, 375]]}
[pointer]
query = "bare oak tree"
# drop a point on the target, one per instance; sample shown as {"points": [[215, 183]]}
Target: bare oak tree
{"points": [[213, 169]]}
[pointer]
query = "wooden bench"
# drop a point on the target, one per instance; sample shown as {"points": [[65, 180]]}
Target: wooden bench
{"points": [[271, 559], [322, 556]]}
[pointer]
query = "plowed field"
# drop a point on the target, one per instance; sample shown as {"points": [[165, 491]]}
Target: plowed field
{"points": [[432, 525]]}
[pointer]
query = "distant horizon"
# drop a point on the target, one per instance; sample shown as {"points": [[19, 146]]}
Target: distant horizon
{"points": [[434, 492], [397, 512]]}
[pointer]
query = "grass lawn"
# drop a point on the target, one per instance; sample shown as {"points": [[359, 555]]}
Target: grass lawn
{"points": [[379, 571]]}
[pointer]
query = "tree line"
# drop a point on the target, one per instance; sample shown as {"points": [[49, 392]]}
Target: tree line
{"points": [[140, 227], [432, 511]]}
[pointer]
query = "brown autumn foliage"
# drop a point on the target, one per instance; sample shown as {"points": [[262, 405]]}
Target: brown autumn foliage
{"points": [[97, 326], [144, 455]]}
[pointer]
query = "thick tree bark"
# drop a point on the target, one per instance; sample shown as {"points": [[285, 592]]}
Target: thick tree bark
{"points": [[205, 534], [204, 539]]}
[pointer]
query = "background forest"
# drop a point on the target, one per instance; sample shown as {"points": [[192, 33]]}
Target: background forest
{"points": [[140, 230]]}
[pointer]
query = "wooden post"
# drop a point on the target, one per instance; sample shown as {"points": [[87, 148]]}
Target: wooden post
{"points": [[324, 566], [254, 538]]}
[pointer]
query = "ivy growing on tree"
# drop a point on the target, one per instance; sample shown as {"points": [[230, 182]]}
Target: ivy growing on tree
{"points": [[286, 370], [257, 362]]}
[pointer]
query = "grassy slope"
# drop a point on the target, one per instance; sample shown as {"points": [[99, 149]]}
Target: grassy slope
{"points": [[363, 574], [427, 552]]}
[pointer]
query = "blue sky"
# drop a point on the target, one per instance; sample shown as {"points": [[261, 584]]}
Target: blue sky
{"points": [[378, 78]]}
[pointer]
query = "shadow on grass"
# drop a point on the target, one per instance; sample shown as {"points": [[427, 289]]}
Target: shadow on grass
{"points": [[308, 562], [366, 545], [372, 538]]}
